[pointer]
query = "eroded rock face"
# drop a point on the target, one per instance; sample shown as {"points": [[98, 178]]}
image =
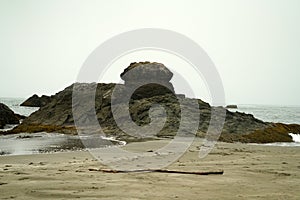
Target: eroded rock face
{"points": [[7, 116], [58, 114], [36, 101]]}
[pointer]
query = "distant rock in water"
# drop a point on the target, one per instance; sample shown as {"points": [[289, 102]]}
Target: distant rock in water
{"points": [[57, 114], [36, 101], [232, 106], [7, 116]]}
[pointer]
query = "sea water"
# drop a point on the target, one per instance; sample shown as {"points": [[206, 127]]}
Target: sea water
{"points": [[14, 104], [275, 113]]}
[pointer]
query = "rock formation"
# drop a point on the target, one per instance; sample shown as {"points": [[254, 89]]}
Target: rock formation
{"points": [[57, 114], [7, 116], [36, 101]]}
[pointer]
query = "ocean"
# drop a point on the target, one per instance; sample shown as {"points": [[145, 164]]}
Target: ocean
{"points": [[23, 143], [14, 104], [269, 113]]}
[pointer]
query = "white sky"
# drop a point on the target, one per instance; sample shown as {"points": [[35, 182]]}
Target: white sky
{"points": [[254, 44]]}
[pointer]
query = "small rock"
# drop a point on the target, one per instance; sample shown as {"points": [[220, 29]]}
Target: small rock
{"points": [[7, 116], [36, 101], [232, 106]]}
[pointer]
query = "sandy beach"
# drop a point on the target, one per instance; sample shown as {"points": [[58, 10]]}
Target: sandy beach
{"points": [[250, 172]]}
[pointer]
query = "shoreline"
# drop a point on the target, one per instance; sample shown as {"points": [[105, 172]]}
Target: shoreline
{"points": [[250, 172], [75, 146]]}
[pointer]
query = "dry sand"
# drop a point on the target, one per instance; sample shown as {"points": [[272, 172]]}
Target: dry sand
{"points": [[250, 172]]}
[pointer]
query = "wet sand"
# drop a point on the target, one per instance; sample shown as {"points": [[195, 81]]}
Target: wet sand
{"points": [[250, 172]]}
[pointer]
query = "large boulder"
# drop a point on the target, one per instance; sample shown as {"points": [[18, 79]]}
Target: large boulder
{"points": [[146, 71], [36, 101], [147, 79], [7, 116]]}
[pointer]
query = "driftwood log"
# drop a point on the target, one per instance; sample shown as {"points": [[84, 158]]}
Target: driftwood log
{"points": [[220, 172]]}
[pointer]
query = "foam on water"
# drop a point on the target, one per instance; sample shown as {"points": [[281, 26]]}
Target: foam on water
{"points": [[296, 137]]}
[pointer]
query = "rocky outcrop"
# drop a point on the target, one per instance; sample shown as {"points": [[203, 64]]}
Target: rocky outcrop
{"points": [[232, 106], [36, 101], [57, 114], [7, 116]]}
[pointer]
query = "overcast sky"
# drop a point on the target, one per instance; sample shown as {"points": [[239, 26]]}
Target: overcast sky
{"points": [[254, 44]]}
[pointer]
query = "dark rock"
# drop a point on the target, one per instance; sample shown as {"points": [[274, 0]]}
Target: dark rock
{"points": [[58, 114], [7, 116], [276, 132], [232, 106], [146, 71], [148, 79], [36, 101], [28, 136]]}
